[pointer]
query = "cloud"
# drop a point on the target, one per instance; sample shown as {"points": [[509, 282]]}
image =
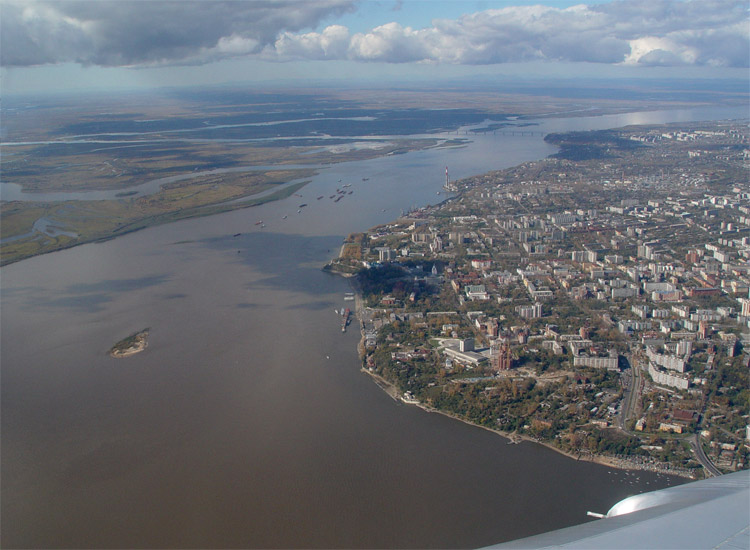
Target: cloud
{"points": [[391, 42], [123, 33], [634, 32], [332, 43], [628, 32]]}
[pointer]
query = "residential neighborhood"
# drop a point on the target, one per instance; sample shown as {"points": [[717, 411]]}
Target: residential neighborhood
{"points": [[597, 301]]}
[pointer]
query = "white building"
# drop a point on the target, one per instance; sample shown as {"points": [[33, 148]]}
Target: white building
{"points": [[609, 363], [671, 362], [667, 379], [529, 312]]}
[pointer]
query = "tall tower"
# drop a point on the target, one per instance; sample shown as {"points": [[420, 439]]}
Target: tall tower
{"points": [[447, 181]]}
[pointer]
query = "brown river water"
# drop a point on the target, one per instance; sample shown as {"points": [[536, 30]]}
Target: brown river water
{"points": [[247, 422]]}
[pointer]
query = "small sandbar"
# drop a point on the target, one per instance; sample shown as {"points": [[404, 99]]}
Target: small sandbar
{"points": [[135, 343]]}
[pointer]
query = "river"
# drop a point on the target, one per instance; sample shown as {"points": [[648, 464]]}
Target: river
{"points": [[246, 422]]}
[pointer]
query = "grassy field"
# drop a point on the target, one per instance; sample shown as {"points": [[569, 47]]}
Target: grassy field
{"points": [[101, 220], [76, 168]]}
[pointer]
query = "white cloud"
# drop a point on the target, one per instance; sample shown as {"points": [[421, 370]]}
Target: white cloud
{"points": [[651, 50], [661, 32], [332, 43], [236, 45], [128, 32], [390, 42], [630, 32]]}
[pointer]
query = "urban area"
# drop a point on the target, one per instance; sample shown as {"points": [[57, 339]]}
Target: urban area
{"points": [[597, 301]]}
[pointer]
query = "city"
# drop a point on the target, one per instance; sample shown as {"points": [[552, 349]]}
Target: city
{"points": [[375, 274], [596, 301]]}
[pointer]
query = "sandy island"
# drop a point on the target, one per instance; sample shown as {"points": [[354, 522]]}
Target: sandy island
{"points": [[135, 343]]}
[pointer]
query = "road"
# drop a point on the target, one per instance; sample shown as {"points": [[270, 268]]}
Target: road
{"points": [[695, 444], [628, 409], [632, 393]]}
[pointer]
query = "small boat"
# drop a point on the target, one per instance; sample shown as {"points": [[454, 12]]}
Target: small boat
{"points": [[298, 211], [259, 222], [303, 205], [320, 197], [365, 179], [284, 217], [237, 234]]}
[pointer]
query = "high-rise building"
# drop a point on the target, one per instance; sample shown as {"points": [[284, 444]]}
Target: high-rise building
{"points": [[501, 357]]}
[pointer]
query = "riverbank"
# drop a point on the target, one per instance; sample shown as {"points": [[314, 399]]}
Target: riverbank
{"points": [[123, 216], [513, 438], [620, 463]]}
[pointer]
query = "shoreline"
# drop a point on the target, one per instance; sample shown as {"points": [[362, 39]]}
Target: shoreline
{"points": [[135, 343], [137, 222], [155, 220], [512, 438]]}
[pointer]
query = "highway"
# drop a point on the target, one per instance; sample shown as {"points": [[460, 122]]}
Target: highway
{"points": [[629, 406], [695, 444], [632, 393]]}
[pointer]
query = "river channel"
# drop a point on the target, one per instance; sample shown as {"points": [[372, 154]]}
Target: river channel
{"points": [[247, 422]]}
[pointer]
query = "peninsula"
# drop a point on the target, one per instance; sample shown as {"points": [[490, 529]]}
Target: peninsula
{"points": [[70, 177], [595, 301]]}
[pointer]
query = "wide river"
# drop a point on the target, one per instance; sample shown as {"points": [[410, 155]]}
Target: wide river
{"points": [[247, 422]]}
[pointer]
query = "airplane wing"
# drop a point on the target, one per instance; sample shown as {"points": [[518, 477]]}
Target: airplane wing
{"points": [[713, 513]]}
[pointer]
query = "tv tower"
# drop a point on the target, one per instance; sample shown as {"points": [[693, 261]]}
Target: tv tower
{"points": [[446, 177]]}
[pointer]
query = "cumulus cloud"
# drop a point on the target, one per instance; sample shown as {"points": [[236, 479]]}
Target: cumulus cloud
{"points": [[391, 42], [630, 32], [118, 33], [635, 32], [332, 43]]}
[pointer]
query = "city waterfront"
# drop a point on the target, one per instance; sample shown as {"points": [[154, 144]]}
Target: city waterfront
{"points": [[246, 422]]}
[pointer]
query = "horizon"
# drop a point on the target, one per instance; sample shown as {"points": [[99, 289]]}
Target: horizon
{"points": [[65, 46]]}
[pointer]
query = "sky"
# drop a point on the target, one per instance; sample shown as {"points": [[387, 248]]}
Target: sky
{"points": [[50, 45]]}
